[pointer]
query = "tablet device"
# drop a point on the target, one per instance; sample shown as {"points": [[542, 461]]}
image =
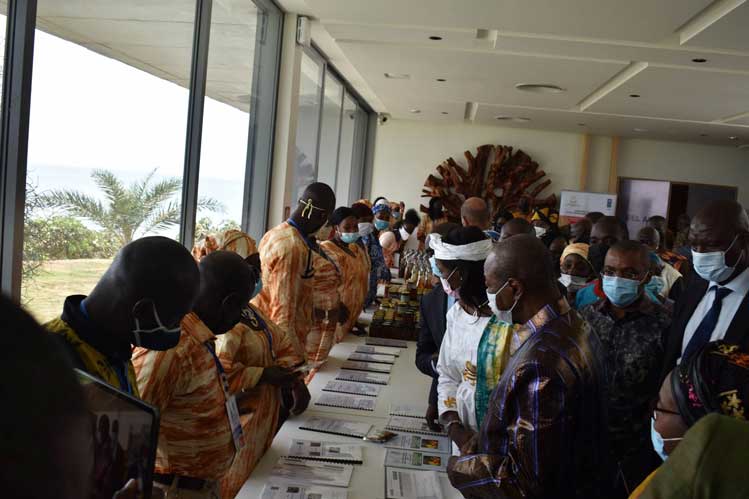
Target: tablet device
{"points": [[125, 435]]}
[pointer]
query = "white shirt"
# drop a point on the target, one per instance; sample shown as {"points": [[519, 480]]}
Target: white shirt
{"points": [[731, 303], [670, 275], [455, 392]]}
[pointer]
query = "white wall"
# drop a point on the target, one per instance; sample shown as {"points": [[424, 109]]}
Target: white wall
{"points": [[407, 152]]}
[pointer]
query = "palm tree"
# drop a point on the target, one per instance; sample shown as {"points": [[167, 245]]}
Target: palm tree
{"points": [[130, 211]]}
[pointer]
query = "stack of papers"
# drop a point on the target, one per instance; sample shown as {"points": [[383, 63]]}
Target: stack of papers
{"points": [[433, 461], [347, 401], [281, 490], [312, 472], [315, 450], [412, 484], [364, 389]]}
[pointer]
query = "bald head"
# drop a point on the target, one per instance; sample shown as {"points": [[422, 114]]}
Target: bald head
{"points": [[226, 285], [608, 230], [516, 227], [720, 226], [150, 269], [649, 237], [524, 258], [475, 213]]}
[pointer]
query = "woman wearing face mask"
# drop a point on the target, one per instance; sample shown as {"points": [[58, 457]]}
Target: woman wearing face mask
{"points": [[379, 272], [544, 221], [396, 212], [576, 270], [713, 380], [459, 257], [401, 238], [352, 261]]}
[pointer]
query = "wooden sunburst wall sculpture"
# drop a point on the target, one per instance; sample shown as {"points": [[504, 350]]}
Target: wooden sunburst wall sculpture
{"points": [[511, 176]]}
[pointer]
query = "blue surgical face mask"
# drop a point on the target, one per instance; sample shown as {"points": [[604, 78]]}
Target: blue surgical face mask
{"points": [[659, 441], [396, 215], [712, 266], [258, 287], [655, 285], [621, 291], [435, 269], [349, 237], [381, 224]]}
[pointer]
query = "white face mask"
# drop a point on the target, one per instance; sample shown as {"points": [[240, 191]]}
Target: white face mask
{"points": [[712, 266], [365, 229], [572, 282], [502, 315], [404, 234], [540, 231]]}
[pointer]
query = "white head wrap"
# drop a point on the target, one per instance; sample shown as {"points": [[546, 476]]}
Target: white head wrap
{"points": [[471, 252]]}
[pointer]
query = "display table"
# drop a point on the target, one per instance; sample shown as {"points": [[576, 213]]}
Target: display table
{"points": [[407, 386]]}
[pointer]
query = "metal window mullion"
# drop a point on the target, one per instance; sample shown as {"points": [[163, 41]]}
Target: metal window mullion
{"points": [[261, 132], [340, 131], [14, 140], [198, 77], [321, 104]]}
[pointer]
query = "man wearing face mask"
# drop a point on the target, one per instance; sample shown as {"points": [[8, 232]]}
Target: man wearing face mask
{"points": [[475, 213], [545, 432], [379, 272], [140, 300], [606, 232], [200, 428], [402, 238], [631, 328], [714, 304]]}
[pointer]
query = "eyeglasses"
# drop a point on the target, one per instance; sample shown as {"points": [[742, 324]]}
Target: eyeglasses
{"points": [[665, 411]]}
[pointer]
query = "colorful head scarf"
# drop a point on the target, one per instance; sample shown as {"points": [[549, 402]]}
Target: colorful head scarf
{"points": [[380, 206], [546, 214], [579, 249], [714, 379]]}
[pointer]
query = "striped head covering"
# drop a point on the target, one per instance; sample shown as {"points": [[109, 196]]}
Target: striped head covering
{"points": [[380, 206], [548, 215]]}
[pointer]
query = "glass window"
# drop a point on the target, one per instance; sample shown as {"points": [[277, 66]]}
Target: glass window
{"points": [[347, 150], [226, 120], [330, 131], [106, 141], [308, 123]]}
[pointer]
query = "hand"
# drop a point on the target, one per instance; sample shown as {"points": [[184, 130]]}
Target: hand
{"points": [[279, 376], [343, 314], [461, 436], [432, 416], [301, 398]]}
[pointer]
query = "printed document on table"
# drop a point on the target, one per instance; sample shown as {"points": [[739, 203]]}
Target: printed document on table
{"points": [[412, 484], [416, 460], [289, 490], [316, 450], [313, 472], [364, 389], [420, 443]]}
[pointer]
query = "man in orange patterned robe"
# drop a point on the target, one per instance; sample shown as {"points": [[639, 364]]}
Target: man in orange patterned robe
{"points": [[197, 442]]}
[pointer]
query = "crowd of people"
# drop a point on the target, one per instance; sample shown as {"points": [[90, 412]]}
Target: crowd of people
{"points": [[579, 362], [566, 361]]}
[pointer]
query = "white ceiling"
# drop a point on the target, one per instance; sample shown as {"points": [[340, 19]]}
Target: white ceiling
{"points": [[580, 45]]}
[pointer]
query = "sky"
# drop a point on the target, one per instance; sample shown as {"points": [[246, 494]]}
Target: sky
{"points": [[89, 111]]}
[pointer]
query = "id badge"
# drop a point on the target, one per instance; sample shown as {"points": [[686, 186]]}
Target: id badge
{"points": [[235, 423]]}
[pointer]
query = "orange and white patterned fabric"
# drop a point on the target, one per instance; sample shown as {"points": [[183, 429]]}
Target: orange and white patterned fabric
{"points": [[195, 438], [244, 352], [325, 299], [231, 240], [353, 262], [288, 272]]}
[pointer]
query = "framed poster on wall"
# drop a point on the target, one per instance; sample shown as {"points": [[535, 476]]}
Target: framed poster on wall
{"points": [[574, 205], [640, 199]]}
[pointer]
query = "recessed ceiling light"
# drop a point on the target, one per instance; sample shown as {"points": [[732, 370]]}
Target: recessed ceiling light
{"points": [[435, 38], [503, 118], [634, 96], [640, 129], [445, 112], [397, 76], [414, 111], [581, 124], [743, 146], [733, 137], [441, 79], [699, 60], [703, 135], [539, 88], [521, 119]]}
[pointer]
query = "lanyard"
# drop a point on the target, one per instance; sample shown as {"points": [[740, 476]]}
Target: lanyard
{"points": [[219, 368], [120, 369], [309, 270], [256, 321], [298, 229]]}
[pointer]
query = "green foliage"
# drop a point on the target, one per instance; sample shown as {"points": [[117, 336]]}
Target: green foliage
{"points": [[130, 211], [64, 238], [205, 226]]}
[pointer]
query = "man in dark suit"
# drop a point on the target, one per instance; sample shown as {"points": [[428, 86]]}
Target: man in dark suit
{"points": [[432, 325], [715, 304]]}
